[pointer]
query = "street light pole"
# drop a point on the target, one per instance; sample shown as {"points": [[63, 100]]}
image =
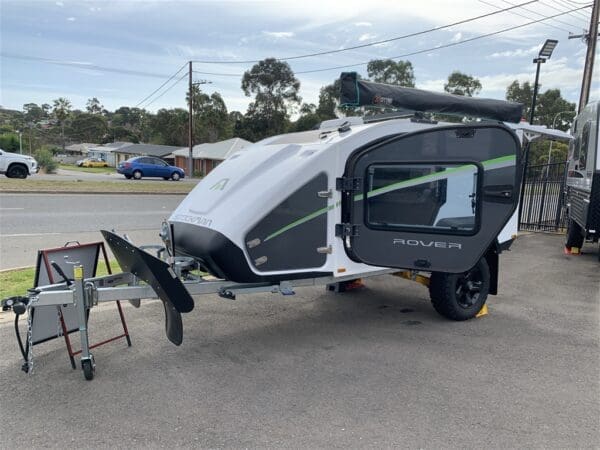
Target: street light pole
{"points": [[20, 141], [539, 62]]}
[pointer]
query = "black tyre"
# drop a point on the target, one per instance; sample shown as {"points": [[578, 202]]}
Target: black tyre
{"points": [[165, 178], [88, 369], [460, 296], [17, 171], [137, 175], [175, 176], [574, 235]]}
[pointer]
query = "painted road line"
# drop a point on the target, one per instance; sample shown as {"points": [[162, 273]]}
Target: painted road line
{"points": [[29, 234]]}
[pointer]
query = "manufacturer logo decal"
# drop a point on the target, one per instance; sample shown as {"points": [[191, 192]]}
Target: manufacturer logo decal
{"points": [[379, 100], [220, 185], [434, 244]]}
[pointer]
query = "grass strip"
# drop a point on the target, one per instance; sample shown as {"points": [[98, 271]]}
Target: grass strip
{"points": [[16, 282], [74, 168], [142, 187]]}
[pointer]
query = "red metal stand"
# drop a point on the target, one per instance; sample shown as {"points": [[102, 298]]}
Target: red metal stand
{"points": [[65, 331]]}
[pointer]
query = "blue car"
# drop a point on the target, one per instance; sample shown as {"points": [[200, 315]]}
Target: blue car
{"points": [[148, 166]]}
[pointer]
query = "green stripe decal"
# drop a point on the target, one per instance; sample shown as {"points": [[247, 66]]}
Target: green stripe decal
{"points": [[300, 221], [490, 164]]}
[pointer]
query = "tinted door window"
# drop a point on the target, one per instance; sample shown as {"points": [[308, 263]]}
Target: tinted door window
{"points": [[421, 197]]}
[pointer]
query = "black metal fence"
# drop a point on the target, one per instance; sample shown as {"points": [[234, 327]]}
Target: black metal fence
{"points": [[543, 198]]}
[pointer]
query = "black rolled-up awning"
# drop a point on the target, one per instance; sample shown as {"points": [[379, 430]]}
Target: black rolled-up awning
{"points": [[355, 92]]}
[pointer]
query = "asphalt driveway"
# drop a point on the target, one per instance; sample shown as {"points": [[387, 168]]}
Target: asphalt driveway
{"points": [[373, 368]]}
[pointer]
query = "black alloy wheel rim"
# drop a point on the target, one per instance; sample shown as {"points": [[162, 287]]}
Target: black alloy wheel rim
{"points": [[468, 288]]}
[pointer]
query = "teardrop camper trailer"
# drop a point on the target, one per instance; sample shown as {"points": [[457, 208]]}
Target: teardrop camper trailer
{"points": [[430, 201], [354, 198], [583, 179]]}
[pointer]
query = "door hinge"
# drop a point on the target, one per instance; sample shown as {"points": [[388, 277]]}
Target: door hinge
{"points": [[346, 230], [348, 184]]}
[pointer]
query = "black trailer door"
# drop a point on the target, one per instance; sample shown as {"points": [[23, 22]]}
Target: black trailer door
{"points": [[432, 200]]}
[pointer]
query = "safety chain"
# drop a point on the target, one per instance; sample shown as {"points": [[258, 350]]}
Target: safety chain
{"points": [[29, 341]]}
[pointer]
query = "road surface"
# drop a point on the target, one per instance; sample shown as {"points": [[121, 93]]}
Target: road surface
{"points": [[373, 368], [29, 222]]}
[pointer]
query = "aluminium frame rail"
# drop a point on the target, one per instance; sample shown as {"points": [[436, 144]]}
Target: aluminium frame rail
{"points": [[84, 294]]}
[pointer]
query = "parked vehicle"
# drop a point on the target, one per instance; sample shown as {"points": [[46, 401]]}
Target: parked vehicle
{"points": [[583, 179], [93, 162], [149, 166], [15, 165]]}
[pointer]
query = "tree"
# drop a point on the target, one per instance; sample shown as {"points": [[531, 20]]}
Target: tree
{"points": [[9, 142], [276, 92], [308, 119], [93, 106], [32, 113], [462, 84], [211, 120], [87, 127], [61, 110], [130, 124], [551, 110], [46, 108], [170, 127], [520, 93], [391, 72]]}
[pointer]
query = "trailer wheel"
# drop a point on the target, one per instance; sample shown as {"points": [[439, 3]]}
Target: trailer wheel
{"points": [[574, 235], [88, 369], [137, 175], [460, 296]]}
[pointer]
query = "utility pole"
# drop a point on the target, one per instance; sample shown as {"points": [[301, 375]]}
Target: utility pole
{"points": [[591, 38], [191, 125]]}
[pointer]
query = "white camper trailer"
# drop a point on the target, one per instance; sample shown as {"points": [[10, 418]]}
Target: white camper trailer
{"points": [[583, 179], [431, 200]]}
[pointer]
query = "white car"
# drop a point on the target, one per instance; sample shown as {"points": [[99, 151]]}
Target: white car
{"points": [[15, 165]]}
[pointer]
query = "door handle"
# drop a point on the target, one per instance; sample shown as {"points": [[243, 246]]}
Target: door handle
{"points": [[498, 193]]}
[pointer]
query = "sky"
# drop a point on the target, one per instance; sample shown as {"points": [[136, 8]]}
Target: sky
{"points": [[121, 51]]}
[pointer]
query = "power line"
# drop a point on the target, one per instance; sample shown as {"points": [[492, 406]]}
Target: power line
{"points": [[562, 8], [160, 87], [566, 5], [525, 17], [370, 44], [167, 90], [452, 44], [217, 74], [80, 65], [540, 14]]}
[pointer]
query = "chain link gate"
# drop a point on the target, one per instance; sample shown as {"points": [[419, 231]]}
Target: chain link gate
{"points": [[543, 204]]}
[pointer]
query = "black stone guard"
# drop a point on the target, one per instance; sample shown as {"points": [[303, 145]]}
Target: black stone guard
{"points": [[158, 274]]}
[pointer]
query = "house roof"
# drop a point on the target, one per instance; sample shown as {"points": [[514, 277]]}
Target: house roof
{"points": [[148, 149], [129, 148], [83, 147], [217, 150], [110, 147]]}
